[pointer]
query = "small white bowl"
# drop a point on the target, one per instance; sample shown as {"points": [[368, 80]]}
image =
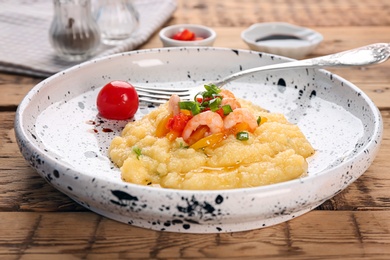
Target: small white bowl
{"points": [[205, 32], [306, 39]]}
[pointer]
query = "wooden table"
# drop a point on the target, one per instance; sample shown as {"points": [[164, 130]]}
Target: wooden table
{"points": [[38, 222]]}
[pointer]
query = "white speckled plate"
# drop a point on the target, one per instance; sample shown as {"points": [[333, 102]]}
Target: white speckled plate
{"points": [[61, 135]]}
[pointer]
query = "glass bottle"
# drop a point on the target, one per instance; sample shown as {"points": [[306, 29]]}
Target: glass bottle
{"points": [[117, 20], [74, 33]]}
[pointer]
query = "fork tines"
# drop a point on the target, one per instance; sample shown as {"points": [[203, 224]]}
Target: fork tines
{"points": [[151, 100], [160, 95]]}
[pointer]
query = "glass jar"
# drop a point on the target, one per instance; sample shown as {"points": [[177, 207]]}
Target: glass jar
{"points": [[117, 20], [74, 33]]}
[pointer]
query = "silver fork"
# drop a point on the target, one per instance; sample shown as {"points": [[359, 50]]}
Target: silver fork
{"points": [[363, 56]]}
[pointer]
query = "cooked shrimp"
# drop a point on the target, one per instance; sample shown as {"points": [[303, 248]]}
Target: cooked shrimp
{"points": [[227, 93], [208, 118], [232, 102], [240, 115], [173, 104]]}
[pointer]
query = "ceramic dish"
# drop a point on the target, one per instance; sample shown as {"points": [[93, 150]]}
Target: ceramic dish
{"points": [[61, 135], [208, 35], [282, 39]]}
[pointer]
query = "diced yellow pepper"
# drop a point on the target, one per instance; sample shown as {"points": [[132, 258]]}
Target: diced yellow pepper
{"points": [[172, 135], [209, 141], [263, 120], [239, 127], [198, 134], [186, 112], [161, 129]]}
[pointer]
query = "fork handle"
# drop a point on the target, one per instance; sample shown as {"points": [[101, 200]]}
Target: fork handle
{"points": [[363, 56]]}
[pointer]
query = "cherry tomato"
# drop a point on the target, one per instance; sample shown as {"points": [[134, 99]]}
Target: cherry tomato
{"points": [[185, 35], [117, 100]]}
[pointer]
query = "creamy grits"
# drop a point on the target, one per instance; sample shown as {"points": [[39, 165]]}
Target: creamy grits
{"points": [[236, 154]]}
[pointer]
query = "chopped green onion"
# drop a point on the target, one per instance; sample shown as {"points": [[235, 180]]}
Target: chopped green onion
{"points": [[259, 120], [186, 104], [217, 96], [227, 109], [242, 136], [137, 151], [183, 146], [206, 100], [190, 105], [214, 104], [212, 89], [198, 96]]}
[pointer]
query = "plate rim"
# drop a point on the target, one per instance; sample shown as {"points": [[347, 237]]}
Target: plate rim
{"points": [[22, 136]]}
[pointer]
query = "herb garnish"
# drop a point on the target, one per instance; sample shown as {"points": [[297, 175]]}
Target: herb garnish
{"points": [[242, 136], [210, 99], [259, 120], [137, 151]]}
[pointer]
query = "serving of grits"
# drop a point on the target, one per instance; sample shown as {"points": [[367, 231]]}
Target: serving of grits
{"points": [[216, 142]]}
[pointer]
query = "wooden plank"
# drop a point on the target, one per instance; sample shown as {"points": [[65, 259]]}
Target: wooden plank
{"points": [[317, 234], [39, 222], [13, 89], [301, 12]]}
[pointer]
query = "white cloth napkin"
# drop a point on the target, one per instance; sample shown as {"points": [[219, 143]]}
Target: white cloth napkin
{"points": [[24, 32]]}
